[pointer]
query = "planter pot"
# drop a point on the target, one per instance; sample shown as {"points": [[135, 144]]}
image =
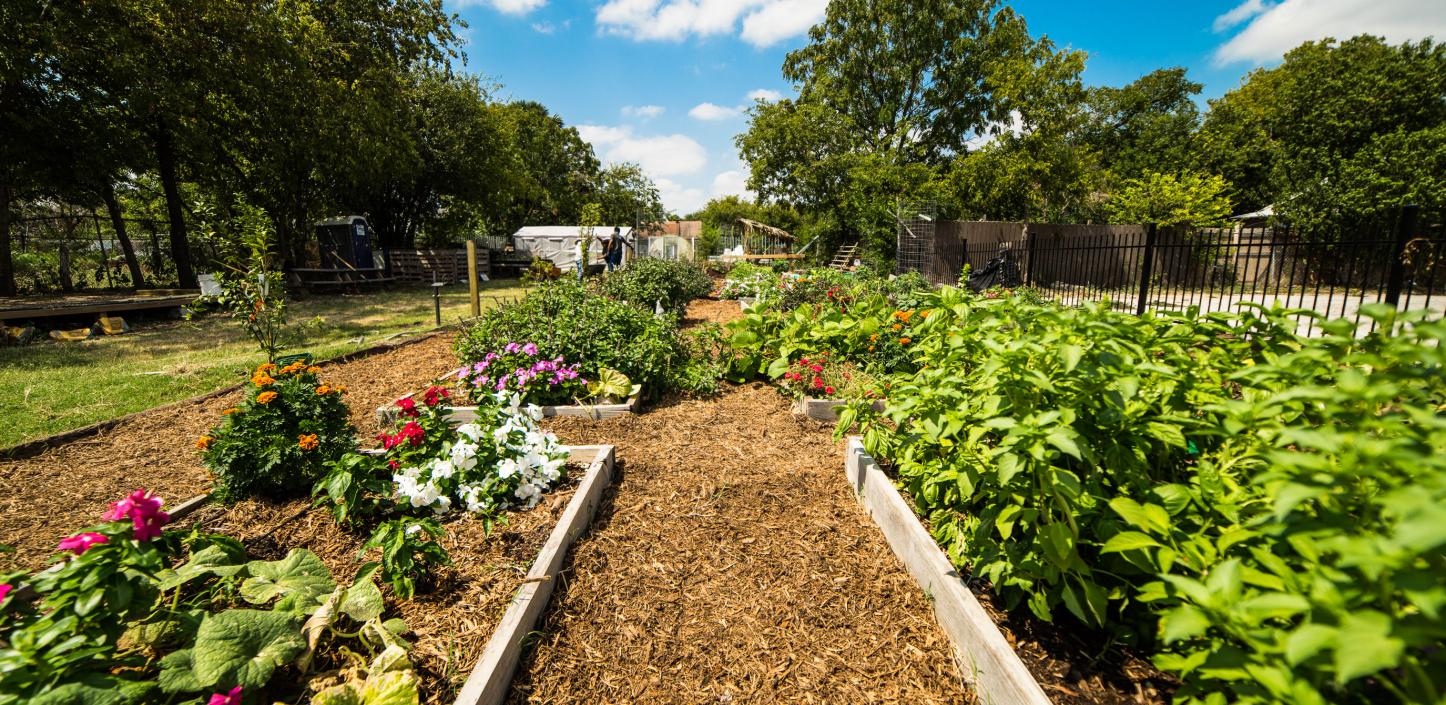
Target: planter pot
{"points": [[824, 409], [988, 662], [462, 414]]}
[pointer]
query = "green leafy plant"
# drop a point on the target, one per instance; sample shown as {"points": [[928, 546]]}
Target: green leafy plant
{"points": [[611, 387], [279, 440], [409, 552], [648, 282]]}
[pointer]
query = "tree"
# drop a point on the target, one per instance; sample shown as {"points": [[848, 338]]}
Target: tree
{"points": [[558, 171], [1144, 126], [626, 196], [1190, 198], [1289, 132]]}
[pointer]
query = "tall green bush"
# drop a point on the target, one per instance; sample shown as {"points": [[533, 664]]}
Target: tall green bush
{"points": [[647, 282]]}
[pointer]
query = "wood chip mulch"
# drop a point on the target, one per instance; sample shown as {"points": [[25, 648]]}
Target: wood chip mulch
{"points": [[730, 563], [48, 496], [719, 311]]}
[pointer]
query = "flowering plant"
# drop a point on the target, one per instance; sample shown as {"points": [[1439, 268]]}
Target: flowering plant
{"points": [[888, 346], [520, 369], [501, 459], [277, 441], [823, 377]]}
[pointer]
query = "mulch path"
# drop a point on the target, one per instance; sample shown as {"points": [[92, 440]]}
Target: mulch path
{"points": [[731, 563], [711, 311], [51, 495]]}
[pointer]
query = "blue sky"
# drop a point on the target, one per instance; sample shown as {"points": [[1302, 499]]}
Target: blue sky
{"points": [[663, 82]]}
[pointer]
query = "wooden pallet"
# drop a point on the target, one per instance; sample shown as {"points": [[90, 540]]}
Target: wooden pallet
{"points": [[435, 265]]}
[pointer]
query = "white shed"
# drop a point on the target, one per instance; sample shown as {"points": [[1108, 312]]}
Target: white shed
{"points": [[556, 243]]}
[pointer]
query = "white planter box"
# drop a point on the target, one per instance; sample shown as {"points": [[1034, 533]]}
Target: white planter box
{"points": [[988, 662], [824, 409], [463, 414]]}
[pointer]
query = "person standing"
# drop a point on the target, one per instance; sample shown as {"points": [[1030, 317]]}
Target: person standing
{"points": [[613, 249]]}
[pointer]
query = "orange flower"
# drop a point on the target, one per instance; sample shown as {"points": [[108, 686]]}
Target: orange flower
{"points": [[871, 348], [264, 369], [265, 397], [323, 390], [293, 368], [230, 411], [203, 442], [924, 313], [263, 380], [874, 338], [898, 326], [314, 370], [308, 441], [904, 341], [339, 389]]}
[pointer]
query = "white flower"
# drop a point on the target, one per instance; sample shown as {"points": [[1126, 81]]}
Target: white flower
{"points": [[442, 469], [444, 505], [414, 529], [470, 430], [508, 467], [534, 411]]}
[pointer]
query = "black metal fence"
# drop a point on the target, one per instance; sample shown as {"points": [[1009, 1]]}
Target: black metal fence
{"points": [[80, 250], [1400, 261]]}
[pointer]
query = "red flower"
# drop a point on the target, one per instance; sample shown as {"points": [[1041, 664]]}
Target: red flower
{"points": [[434, 395], [393, 464], [817, 382], [412, 432], [828, 390], [408, 407], [816, 368]]}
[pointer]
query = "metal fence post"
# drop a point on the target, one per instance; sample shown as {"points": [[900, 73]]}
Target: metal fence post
{"points": [[1147, 268], [1405, 228], [1029, 238]]}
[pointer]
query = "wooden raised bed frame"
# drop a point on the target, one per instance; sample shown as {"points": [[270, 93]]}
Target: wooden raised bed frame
{"points": [[985, 657], [492, 675], [824, 409], [463, 414]]}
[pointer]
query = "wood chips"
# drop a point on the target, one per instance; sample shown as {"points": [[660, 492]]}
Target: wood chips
{"points": [[729, 564]]}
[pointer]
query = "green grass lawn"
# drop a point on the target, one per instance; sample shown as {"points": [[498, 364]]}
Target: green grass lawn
{"points": [[49, 387]]}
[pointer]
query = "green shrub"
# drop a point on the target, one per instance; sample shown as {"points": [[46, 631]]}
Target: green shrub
{"points": [[646, 282], [564, 318], [1260, 511], [278, 441]]}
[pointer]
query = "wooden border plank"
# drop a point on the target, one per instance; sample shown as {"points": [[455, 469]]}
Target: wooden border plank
{"points": [[491, 677], [824, 409], [989, 663]]}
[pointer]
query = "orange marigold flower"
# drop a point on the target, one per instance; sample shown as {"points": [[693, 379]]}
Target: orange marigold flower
{"points": [[265, 368], [263, 380], [323, 390], [265, 397], [898, 326], [308, 441], [874, 338], [314, 370], [924, 313], [339, 389], [871, 348], [230, 411], [293, 368], [204, 442], [904, 341]]}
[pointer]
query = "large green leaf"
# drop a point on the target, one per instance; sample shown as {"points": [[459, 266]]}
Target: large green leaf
{"points": [[390, 688], [243, 647], [1364, 645], [300, 579], [211, 560], [96, 689]]}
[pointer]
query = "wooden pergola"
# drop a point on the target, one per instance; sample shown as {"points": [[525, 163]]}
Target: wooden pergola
{"points": [[772, 243]]}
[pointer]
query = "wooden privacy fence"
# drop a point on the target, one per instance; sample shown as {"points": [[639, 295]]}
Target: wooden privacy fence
{"points": [[435, 265]]}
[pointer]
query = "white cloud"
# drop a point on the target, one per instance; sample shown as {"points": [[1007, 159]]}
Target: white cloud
{"points": [[764, 94], [713, 111], [1015, 127], [506, 7], [764, 22], [658, 155], [1238, 14], [643, 112], [781, 19], [678, 198], [544, 27], [733, 182], [1273, 30]]}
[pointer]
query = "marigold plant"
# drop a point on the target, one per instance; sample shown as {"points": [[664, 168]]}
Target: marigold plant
{"points": [[277, 441]]}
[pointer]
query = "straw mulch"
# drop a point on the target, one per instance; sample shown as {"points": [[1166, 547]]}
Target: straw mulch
{"points": [[711, 311], [49, 496], [731, 563]]}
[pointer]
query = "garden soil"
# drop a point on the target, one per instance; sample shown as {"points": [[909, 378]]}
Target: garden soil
{"points": [[731, 564], [48, 496]]}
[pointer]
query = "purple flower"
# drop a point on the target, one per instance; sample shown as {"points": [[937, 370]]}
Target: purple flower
{"points": [[530, 349], [511, 348]]}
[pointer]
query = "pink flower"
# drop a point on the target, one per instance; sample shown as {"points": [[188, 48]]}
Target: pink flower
{"points": [[231, 698], [412, 432], [80, 543], [144, 511], [530, 349], [5, 589], [434, 395], [816, 368]]}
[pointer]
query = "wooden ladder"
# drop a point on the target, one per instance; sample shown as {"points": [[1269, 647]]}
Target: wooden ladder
{"points": [[844, 257]]}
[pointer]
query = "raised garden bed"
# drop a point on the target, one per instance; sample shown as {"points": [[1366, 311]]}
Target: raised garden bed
{"points": [[824, 409], [985, 655], [462, 414], [474, 621]]}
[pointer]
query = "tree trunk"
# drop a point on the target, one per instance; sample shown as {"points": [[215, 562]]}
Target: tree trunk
{"points": [[7, 265], [118, 222], [67, 285], [166, 165]]}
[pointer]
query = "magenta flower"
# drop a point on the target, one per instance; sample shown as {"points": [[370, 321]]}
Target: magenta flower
{"points": [[80, 543], [144, 511], [530, 349], [5, 589], [512, 348], [231, 698]]}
